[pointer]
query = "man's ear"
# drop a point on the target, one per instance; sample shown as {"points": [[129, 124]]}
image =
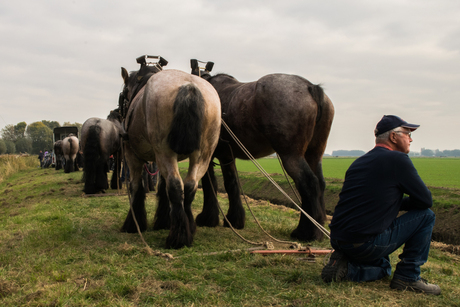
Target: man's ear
{"points": [[392, 137]]}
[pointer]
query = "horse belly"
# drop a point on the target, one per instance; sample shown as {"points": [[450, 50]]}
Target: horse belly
{"points": [[257, 144]]}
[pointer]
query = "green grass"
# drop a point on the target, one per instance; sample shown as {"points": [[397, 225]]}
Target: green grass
{"points": [[439, 172], [59, 248], [435, 172]]}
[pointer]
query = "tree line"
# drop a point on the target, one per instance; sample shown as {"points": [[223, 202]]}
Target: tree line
{"points": [[23, 138]]}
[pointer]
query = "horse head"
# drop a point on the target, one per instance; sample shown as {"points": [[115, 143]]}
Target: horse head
{"points": [[135, 80]]}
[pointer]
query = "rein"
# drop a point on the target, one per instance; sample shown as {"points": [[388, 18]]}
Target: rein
{"points": [[149, 250], [320, 227], [147, 170]]}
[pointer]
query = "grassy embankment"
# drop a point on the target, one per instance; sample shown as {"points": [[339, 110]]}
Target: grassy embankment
{"points": [[59, 248], [11, 164]]}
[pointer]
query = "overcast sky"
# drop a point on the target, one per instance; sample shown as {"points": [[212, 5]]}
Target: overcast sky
{"points": [[60, 60]]}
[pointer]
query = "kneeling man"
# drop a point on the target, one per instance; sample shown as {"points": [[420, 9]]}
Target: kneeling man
{"points": [[365, 227]]}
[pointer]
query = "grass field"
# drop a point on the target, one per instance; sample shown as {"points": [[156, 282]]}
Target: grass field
{"points": [[435, 172], [60, 248]]}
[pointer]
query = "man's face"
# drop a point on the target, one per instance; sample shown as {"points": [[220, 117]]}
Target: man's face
{"points": [[401, 137]]}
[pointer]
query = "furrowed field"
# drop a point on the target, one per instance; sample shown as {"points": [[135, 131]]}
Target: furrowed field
{"points": [[61, 248]]}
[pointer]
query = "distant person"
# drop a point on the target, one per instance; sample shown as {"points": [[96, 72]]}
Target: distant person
{"points": [[40, 158], [365, 228]]}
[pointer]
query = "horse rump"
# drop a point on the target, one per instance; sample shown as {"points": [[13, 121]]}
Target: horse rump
{"points": [[185, 135]]}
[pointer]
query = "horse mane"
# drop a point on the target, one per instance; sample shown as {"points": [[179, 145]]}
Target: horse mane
{"points": [[114, 115], [222, 75], [139, 78]]}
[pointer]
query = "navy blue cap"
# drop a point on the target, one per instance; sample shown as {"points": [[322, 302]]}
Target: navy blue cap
{"points": [[389, 122]]}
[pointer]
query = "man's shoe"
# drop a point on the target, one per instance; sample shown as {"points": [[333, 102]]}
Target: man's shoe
{"points": [[420, 285], [336, 269]]}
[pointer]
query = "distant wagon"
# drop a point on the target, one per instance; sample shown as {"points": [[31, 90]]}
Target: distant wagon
{"points": [[60, 133]]}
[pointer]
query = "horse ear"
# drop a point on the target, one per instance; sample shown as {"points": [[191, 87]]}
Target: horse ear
{"points": [[124, 75]]}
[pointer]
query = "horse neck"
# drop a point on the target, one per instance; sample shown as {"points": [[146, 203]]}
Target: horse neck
{"points": [[224, 80], [225, 86]]}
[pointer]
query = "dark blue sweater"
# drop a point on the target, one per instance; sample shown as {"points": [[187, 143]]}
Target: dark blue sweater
{"points": [[372, 195]]}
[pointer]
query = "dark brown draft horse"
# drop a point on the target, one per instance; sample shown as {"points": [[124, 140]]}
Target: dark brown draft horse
{"points": [[100, 138], [173, 117], [279, 113]]}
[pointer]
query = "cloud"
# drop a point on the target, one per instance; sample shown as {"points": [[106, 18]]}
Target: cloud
{"points": [[61, 59]]}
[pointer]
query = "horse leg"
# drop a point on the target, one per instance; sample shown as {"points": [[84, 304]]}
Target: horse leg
{"points": [[151, 166], [115, 174], [101, 175], [137, 199], [236, 214], [89, 175], [145, 179], [209, 216], [308, 186], [317, 167], [75, 167], [179, 233], [162, 219], [313, 156], [190, 187], [58, 165], [69, 165]]}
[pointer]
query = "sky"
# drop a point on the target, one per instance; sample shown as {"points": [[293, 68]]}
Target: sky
{"points": [[60, 60]]}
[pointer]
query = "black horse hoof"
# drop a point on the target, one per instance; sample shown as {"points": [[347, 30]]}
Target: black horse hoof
{"points": [[206, 221], [307, 236], [177, 243], [236, 223]]}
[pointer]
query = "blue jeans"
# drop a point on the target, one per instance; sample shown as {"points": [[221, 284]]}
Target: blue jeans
{"points": [[370, 261]]}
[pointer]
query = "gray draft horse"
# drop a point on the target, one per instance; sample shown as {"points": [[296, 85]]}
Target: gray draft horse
{"points": [[70, 147], [173, 117], [280, 113], [100, 138]]}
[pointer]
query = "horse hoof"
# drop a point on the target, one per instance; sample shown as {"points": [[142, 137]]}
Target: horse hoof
{"points": [[161, 224], [206, 221], [306, 237], [177, 244], [235, 224], [130, 227]]}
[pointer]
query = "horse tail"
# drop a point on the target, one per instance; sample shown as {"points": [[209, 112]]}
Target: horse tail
{"points": [[317, 93], [185, 134], [91, 154]]}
